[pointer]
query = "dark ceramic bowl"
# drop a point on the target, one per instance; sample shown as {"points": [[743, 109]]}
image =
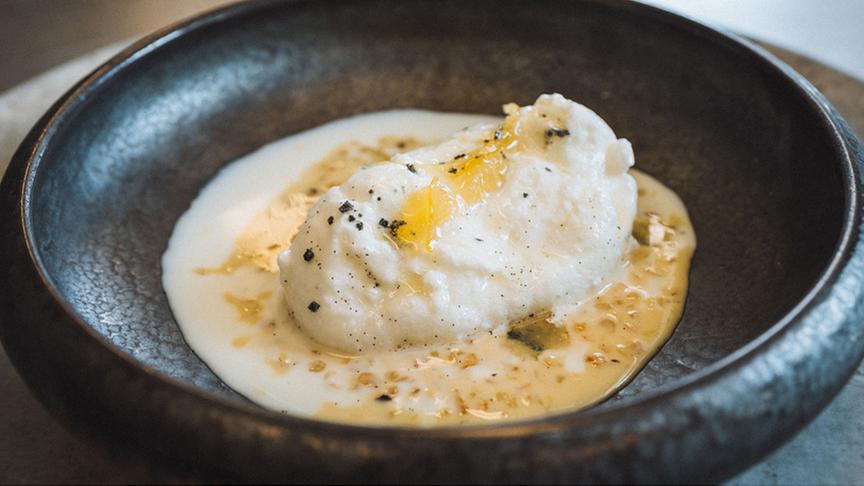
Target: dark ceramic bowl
{"points": [[769, 172]]}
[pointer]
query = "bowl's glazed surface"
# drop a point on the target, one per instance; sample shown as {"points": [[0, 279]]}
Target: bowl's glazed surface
{"points": [[769, 173]]}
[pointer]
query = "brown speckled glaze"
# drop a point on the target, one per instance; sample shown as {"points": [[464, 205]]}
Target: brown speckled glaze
{"points": [[770, 174]]}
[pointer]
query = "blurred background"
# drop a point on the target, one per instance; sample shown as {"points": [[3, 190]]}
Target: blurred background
{"points": [[38, 35], [829, 31]]}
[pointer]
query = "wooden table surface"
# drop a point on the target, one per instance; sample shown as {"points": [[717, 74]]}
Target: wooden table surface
{"points": [[38, 34]]}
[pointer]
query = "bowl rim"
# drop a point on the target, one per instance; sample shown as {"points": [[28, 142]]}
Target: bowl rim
{"points": [[34, 146]]}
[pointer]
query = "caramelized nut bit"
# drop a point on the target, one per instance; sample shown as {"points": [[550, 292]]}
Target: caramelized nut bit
{"points": [[395, 377], [649, 230], [366, 379], [595, 359], [280, 364], [468, 361], [634, 348], [608, 324], [317, 366], [552, 362]]}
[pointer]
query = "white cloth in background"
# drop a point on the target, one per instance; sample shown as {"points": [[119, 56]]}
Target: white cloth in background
{"points": [[21, 106]]}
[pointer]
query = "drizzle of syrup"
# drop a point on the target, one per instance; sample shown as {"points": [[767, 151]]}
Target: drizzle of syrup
{"points": [[465, 180], [423, 212]]}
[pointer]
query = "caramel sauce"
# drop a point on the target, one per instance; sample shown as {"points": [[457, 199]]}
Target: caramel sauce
{"points": [[248, 310]]}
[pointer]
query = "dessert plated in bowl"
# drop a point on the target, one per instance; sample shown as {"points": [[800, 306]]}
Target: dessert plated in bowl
{"points": [[514, 268], [766, 170]]}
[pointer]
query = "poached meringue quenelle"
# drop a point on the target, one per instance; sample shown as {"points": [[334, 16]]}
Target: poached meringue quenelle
{"points": [[419, 268], [500, 221]]}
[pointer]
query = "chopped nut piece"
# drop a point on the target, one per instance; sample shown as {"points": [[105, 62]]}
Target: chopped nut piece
{"points": [[468, 361], [595, 359], [317, 366], [366, 379]]}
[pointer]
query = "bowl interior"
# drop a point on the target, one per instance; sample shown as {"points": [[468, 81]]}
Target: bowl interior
{"points": [[740, 146]]}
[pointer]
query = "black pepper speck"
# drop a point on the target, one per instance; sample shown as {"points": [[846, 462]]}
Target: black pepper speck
{"points": [[394, 226], [308, 255], [557, 132]]}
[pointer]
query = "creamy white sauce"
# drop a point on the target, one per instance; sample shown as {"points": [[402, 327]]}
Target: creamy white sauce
{"points": [[233, 316]]}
